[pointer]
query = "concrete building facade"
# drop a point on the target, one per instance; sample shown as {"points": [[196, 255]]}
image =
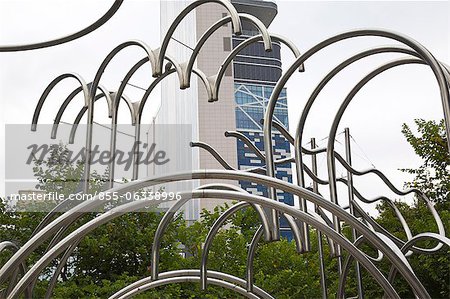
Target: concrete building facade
{"points": [[244, 92]]}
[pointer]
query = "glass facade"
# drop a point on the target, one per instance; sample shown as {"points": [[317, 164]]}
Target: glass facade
{"points": [[255, 74]]}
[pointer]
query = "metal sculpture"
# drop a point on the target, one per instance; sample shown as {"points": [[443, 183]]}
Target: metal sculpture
{"points": [[364, 228]]}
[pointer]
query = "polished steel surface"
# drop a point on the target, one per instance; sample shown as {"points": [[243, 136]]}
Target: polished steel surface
{"points": [[327, 216]]}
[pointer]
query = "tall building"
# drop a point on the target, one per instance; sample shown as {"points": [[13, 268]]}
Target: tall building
{"points": [[244, 92]]}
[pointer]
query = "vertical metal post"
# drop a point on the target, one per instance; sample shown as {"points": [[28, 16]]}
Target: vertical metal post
{"points": [[348, 157], [137, 140], [89, 128], [323, 281]]}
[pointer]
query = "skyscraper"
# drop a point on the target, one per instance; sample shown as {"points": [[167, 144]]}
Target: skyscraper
{"points": [[244, 92]]}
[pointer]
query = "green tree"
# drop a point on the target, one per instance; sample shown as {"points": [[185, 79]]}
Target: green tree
{"points": [[432, 178]]}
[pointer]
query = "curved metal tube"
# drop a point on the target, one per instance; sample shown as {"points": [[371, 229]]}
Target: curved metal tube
{"points": [[442, 240], [251, 257], [181, 279], [49, 88], [77, 120], [213, 28], [422, 52], [116, 212], [378, 173], [213, 152], [139, 106], [13, 247], [63, 107], [88, 102], [332, 135], [301, 124], [190, 272], [97, 24], [344, 181], [217, 79], [59, 268], [248, 142], [209, 238], [235, 20], [168, 216]]}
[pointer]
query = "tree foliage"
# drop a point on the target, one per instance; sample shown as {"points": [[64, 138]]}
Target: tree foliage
{"points": [[119, 252], [433, 176]]}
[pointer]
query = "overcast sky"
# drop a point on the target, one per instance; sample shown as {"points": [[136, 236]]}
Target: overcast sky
{"points": [[375, 116]]}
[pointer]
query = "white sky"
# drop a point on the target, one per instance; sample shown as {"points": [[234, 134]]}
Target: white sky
{"points": [[375, 117]]}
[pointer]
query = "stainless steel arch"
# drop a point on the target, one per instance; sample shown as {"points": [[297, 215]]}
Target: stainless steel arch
{"points": [[209, 238], [387, 245], [422, 51], [236, 21], [67, 101], [189, 272], [301, 124], [217, 79], [330, 147], [233, 175], [226, 195], [391, 276], [417, 238], [23, 268], [202, 40]]}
